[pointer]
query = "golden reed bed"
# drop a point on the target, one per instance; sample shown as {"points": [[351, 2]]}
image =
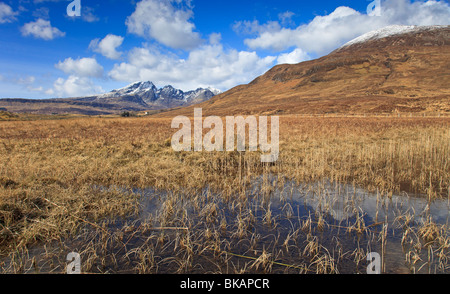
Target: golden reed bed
{"points": [[49, 168]]}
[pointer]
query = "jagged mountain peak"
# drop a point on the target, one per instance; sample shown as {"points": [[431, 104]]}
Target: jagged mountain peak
{"points": [[150, 95], [214, 91], [136, 88], [170, 90]]}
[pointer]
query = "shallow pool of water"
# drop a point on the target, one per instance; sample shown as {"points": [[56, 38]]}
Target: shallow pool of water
{"points": [[335, 211], [300, 228]]}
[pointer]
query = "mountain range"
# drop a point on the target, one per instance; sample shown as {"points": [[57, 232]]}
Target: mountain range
{"points": [[139, 96], [166, 96]]}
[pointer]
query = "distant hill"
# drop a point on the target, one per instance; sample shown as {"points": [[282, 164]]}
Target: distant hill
{"points": [[395, 69], [139, 96]]}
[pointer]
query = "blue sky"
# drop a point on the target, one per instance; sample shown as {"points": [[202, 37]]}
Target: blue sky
{"points": [[45, 53]]}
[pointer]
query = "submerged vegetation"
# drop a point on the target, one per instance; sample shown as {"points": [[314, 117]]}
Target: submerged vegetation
{"points": [[114, 191]]}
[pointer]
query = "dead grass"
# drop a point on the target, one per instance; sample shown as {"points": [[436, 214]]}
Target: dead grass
{"points": [[58, 177]]}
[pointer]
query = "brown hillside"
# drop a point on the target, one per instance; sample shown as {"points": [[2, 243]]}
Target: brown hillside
{"points": [[400, 73]]}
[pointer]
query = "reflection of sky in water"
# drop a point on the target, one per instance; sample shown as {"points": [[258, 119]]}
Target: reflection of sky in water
{"points": [[339, 204], [339, 201], [342, 201]]}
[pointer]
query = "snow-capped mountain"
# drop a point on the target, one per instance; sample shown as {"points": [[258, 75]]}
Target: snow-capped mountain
{"points": [[133, 89], [392, 70], [214, 91], [388, 32], [151, 95]]}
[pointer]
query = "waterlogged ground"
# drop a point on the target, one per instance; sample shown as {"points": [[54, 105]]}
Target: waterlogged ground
{"points": [[272, 226]]}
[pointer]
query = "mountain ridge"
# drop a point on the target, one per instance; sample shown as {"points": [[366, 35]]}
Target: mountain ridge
{"points": [[138, 96]]}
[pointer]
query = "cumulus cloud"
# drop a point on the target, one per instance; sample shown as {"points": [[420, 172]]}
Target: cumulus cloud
{"points": [[294, 57], [6, 13], [41, 29], [169, 22], [215, 38], [208, 65], [74, 86], [80, 80], [82, 67], [107, 46], [328, 32], [166, 21]]}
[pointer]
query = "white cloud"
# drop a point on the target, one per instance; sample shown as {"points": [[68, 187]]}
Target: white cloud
{"points": [[286, 18], [74, 86], [84, 67], [107, 46], [215, 38], [254, 27], [322, 34], [80, 82], [209, 65], [29, 80], [41, 29], [25, 82], [328, 32], [166, 21], [294, 57], [87, 14], [6, 13]]}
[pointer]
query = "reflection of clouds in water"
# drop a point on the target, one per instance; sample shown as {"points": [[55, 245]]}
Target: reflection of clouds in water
{"points": [[340, 201]]}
